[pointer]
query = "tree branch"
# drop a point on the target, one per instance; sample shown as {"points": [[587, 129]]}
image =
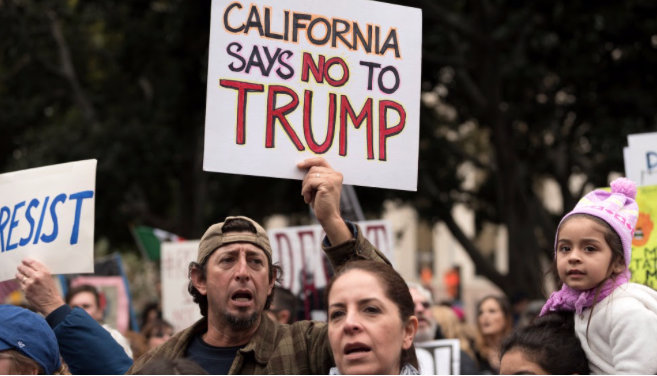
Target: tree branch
{"points": [[481, 264], [68, 71]]}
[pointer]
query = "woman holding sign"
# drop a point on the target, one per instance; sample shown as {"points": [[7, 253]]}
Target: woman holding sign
{"points": [[370, 321]]}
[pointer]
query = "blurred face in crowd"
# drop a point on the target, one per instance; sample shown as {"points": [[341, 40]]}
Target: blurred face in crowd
{"points": [[366, 331], [516, 362], [237, 284], [583, 255], [87, 301], [491, 318], [159, 336], [426, 330]]}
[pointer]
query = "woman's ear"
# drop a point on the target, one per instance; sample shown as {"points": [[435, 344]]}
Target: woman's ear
{"points": [[410, 328]]}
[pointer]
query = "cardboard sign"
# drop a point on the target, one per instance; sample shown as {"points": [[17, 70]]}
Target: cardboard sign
{"points": [[641, 158], [291, 79], [48, 213], [445, 354], [644, 244], [178, 308], [296, 249]]}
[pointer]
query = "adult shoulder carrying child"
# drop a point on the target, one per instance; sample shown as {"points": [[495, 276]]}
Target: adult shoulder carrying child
{"points": [[615, 320]]}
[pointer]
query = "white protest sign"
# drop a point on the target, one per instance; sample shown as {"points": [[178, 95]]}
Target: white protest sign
{"points": [[641, 158], [47, 213], [292, 79], [296, 249], [178, 308], [446, 356]]}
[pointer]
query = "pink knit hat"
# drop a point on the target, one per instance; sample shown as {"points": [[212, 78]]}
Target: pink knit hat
{"points": [[620, 211], [618, 208]]}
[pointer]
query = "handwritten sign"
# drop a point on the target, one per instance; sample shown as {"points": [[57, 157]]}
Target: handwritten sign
{"points": [[178, 308], [297, 250], [291, 79], [48, 213], [644, 244]]}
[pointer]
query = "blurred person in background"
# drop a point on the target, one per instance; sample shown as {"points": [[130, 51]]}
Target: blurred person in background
{"points": [[87, 297], [452, 328], [370, 321], [151, 312], [27, 344], [429, 330], [283, 307], [494, 324], [157, 332]]}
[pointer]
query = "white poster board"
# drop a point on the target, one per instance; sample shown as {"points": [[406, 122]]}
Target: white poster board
{"points": [[641, 158], [446, 356], [178, 308], [296, 249], [292, 79], [47, 213]]}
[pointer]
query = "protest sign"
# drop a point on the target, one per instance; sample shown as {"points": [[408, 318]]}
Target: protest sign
{"points": [[299, 252], [445, 354], [178, 308], [47, 213], [644, 244], [296, 249], [641, 158], [291, 79]]}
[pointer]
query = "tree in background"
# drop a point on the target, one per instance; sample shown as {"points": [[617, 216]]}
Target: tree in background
{"points": [[515, 94]]}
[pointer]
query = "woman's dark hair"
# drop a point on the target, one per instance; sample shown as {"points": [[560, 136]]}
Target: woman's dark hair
{"points": [[550, 341], [156, 328], [234, 225], [395, 289]]}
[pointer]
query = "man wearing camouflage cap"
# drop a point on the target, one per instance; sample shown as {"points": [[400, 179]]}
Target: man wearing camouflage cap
{"points": [[232, 281]]}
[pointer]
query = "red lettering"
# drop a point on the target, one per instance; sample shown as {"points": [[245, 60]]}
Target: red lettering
{"points": [[307, 123], [345, 72], [309, 65], [384, 131], [243, 88], [365, 112], [274, 113], [321, 70]]}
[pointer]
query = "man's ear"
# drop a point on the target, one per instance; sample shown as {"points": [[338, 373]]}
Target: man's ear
{"points": [[195, 275]]}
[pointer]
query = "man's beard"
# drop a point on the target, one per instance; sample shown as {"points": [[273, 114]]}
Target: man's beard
{"points": [[239, 323], [426, 334]]}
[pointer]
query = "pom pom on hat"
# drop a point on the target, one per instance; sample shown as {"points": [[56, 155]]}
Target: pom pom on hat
{"points": [[624, 186]]}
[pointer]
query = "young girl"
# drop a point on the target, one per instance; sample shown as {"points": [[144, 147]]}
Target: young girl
{"points": [[615, 320]]}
